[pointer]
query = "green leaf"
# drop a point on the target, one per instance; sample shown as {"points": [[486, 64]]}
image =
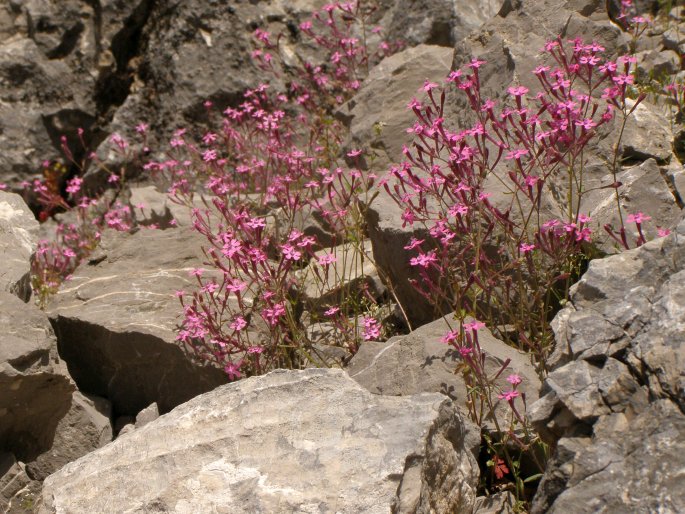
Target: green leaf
{"points": [[532, 478]]}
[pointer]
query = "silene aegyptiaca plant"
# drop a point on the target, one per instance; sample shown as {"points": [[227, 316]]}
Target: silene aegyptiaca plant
{"points": [[56, 259], [271, 169], [508, 258]]}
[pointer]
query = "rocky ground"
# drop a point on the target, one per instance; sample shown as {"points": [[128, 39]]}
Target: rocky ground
{"points": [[102, 411]]}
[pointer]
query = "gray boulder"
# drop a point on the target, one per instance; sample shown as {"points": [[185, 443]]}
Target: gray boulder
{"points": [[35, 389], [84, 428], [18, 240], [499, 503], [64, 67], [377, 116], [352, 273], [438, 22], [420, 362], [148, 414], [644, 190], [116, 321], [250, 446], [613, 405]]}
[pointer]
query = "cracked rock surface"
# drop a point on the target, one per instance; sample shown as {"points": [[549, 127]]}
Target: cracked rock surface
{"points": [[115, 321], [18, 240], [614, 404], [35, 390], [289, 441]]}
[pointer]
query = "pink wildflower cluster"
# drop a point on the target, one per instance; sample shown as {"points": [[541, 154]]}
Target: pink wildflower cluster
{"points": [[338, 30], [55, 260], [502, 258], [272, 162]]}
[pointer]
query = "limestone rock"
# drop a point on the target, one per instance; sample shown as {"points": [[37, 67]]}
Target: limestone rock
{"points": [[438, 22], [510, 44], [148, 414], [18, 240], [64, 66], [13, 478], [306, 441], [618, 391], [84, 428], [633, 469], [644, 190], [500, 503], [35, 390], [352, 271], [38, 99], [116, 320], [389, 235], [420, 362], [377, 115]]}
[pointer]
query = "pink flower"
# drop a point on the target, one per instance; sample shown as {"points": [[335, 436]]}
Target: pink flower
{"points": [[458, 210], [525, 248], [663, 232], [424, 260], [517, 154], [586, 124], [273, 314], [414, 243], [414, 104], [74, 185], [327, 259], [238, 324], [514, 379], [332, 311], [531, 180], [638, 218], [450, 337], [508, 395], [474, 325], [453, 76], [233, 370], [517, 91], [372, 329], [209, 155], [408, 218], [584, 234], [236, 286], [428, 86]]}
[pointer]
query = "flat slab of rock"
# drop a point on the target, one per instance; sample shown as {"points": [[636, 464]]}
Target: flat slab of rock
{"points": [[290, 441], [18, 239], [116, 320], [420, 362], [35, 390]]}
